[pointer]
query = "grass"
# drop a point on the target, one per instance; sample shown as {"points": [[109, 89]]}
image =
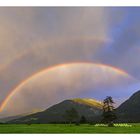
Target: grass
{"points": [[90, 102], [62, 128]]}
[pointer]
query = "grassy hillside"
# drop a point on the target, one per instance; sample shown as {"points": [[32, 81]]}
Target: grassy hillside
{"points": [[62, 128], [88, 108], [90, 102]]}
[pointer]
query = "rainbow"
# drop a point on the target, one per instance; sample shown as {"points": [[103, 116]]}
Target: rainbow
{"points": [[14, 91], [51, 42]]}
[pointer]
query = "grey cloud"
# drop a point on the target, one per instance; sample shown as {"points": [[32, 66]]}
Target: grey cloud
{"points": [[35, 38]]}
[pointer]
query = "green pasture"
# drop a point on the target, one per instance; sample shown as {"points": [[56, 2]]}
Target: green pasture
{"points": [[62, 128]]}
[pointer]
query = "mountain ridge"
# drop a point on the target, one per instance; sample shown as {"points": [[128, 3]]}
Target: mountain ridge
{"points": [[90, 108], [129, 111]]}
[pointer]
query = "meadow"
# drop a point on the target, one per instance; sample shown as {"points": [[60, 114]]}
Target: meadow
{"points": [[67, 128]]}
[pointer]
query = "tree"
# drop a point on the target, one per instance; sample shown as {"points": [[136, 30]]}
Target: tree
{"points": [[83, 119], [71, 115], [108, 111]]}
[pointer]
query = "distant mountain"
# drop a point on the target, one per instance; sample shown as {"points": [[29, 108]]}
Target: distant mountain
{"points": [[3, 120], [129, 111], [89, 108], [6, 119]]}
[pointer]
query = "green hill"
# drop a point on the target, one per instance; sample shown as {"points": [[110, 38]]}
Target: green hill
{"points": [[129, 111], [89, 108]]}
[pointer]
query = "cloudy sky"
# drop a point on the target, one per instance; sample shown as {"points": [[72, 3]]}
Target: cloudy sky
{"points": [[51, 54]]}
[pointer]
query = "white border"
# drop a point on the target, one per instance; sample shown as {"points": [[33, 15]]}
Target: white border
{"points": [[69, 136], [69, 2]]}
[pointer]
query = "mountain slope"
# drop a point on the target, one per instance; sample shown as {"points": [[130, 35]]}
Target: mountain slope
{"points": [[129, 111], [89, 108], [3, 120], [9, 118]]}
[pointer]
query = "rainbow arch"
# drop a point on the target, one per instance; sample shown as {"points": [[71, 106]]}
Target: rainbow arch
{"points": [[20, 85]]}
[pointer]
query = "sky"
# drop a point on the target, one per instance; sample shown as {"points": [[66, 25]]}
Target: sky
{"points": [[50, 54]]}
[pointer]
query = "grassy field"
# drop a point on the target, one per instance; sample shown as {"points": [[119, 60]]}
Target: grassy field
{"points": [[62, 128]]}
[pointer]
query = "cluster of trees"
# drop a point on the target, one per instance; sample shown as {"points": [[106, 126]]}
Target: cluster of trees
{"points": [[108, 116], [72, 116]]}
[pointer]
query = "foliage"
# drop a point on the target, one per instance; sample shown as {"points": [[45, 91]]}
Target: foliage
{"points": [[116, 125], [83, 119], [108, 111], [71, 115]]}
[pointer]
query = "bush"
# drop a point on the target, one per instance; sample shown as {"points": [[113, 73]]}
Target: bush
{"points": [[77, 123], [115, 125]]}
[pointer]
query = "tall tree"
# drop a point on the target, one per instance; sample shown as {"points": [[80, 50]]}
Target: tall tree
{"points": [[83, 119], [108, 111], [71, 115]]}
